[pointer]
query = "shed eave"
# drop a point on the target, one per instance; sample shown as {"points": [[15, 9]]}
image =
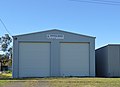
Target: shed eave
{"points": [[55, 30]]}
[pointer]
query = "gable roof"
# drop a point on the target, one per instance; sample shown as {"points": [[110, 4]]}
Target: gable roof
{"points": [[107, 46], [54, 30]]}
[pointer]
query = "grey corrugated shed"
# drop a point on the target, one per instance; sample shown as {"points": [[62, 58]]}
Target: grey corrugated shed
{"points": [[40, 37], [108, 61]]}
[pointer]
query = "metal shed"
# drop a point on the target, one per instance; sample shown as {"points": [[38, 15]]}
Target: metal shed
{"points": [[53, 53], [108, 61]]}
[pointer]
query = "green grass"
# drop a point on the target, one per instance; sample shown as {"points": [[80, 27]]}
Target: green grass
{"points": [[4, 76], [7, 81], [63, 82]]}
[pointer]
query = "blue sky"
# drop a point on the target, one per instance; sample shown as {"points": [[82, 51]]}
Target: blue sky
{"points": [[26, 16]]}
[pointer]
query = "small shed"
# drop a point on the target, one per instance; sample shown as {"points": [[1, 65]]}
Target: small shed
{"points": [[53, 53], [108, 61]]}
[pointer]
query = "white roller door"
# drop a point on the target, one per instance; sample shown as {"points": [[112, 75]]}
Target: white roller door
{"points": [[34, 59], [74, 59]]}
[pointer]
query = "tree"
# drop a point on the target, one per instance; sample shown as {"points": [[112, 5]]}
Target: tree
{"points": [[5, 42]]}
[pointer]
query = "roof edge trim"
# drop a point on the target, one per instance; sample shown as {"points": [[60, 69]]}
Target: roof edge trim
{"points": [[54, 30]]}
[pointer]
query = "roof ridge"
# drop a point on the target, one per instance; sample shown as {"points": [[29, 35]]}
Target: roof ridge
{"points": [[55, 30]]}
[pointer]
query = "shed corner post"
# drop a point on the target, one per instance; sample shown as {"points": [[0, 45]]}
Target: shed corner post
{"points": [[15, 60]]}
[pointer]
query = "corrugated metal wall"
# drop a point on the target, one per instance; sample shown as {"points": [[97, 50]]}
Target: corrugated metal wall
{"points": [[108, 61], [101, 62], [114, 60]]}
